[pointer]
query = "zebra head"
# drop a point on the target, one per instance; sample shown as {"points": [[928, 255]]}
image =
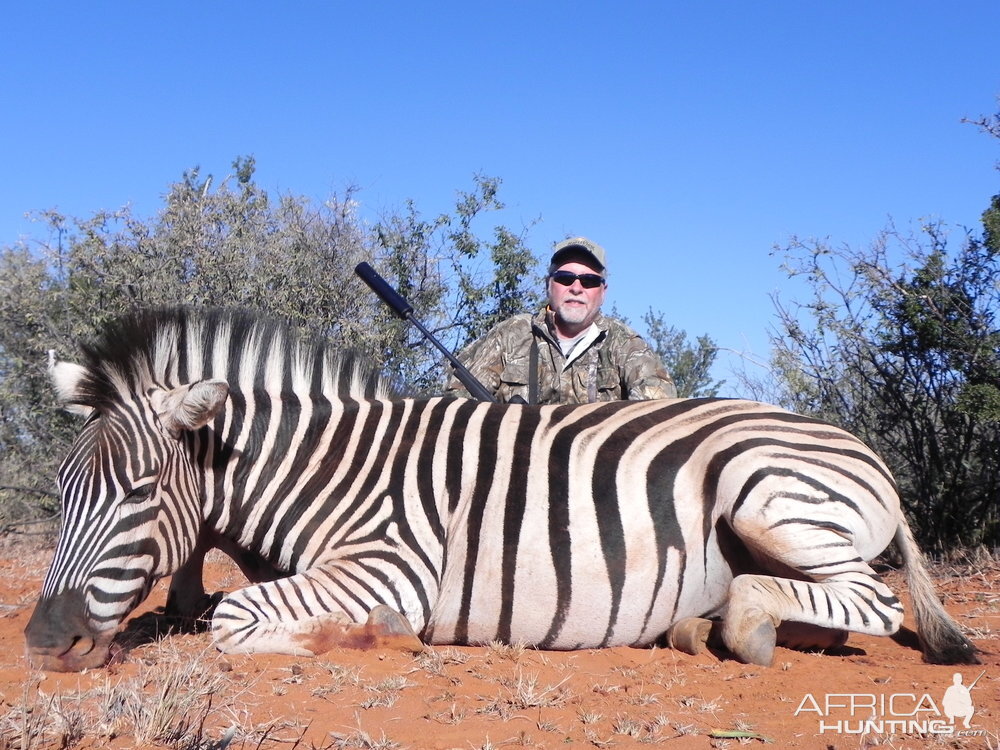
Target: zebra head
{"points": [[131, 510]]}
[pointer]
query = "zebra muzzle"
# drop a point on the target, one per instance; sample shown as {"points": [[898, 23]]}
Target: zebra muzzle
{"points": [[60, 639]]}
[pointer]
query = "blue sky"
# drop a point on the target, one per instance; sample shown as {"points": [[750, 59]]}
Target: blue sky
{"points": [[687, 138]]}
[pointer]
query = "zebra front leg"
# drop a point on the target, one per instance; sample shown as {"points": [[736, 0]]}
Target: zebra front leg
{"points": [[186, 597], [298, 616]]}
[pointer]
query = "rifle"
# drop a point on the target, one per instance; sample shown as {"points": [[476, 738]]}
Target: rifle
{"points": [[404, 310], [976, 680]]}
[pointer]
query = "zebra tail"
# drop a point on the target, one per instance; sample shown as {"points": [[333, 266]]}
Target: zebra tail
{"points": [[940, 638]]}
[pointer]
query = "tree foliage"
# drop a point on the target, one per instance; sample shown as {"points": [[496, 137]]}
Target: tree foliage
{"points": [[689, 364], [907, 356], [899, 343], [232, 244]]}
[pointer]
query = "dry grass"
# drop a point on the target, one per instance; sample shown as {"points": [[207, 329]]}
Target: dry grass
{"points": [[166, 702]]}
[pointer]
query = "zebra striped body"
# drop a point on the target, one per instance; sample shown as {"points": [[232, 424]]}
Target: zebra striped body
{"points": [[556, 526]]}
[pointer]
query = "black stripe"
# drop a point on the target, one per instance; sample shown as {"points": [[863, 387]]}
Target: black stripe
{"points": [[762, 474], [831, 564], [456, 451], [425, 470], [486, 461], [812, 522], [560, 541], [513, 518], [353, 586]]}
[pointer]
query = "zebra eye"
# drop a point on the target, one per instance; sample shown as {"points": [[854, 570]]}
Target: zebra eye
{"points": [[139, 494]]}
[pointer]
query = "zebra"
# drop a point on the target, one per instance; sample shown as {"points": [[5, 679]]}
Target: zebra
{"points": [[362, 519]]}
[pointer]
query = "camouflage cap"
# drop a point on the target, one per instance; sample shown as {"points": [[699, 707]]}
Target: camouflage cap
{"points": [[582, 246]]}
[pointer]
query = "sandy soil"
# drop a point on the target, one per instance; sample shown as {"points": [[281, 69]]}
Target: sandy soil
{"points": [[177, 691]]}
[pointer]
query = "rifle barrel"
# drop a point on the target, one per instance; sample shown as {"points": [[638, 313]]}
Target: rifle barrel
{"points": [[404, 310], [381, 287]]}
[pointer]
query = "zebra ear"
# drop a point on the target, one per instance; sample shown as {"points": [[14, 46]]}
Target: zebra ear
{"points": [[190, 407], [66, 378]]}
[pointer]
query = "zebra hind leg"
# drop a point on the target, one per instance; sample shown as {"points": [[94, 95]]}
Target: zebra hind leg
{"points": [[262, 619], [822, 582], [758, 605]]}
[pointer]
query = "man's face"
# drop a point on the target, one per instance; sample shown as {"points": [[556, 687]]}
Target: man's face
{"points": [[575, 307]]}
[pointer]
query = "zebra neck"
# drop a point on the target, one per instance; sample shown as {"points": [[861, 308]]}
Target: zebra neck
{"points": [[283, 468]]}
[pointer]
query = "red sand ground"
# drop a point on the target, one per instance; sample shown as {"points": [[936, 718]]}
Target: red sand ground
{"points": [[179, 687]]}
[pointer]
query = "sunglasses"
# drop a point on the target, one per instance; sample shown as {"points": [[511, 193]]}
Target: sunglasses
{"points": [[587, 280]]}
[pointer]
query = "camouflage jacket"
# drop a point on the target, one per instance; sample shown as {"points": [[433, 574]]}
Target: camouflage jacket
{"points": [[616, 365]]}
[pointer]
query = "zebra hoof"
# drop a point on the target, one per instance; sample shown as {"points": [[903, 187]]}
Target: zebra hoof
{"points": [[199, 609], [689, 635], [751, 637], [390, 630]]}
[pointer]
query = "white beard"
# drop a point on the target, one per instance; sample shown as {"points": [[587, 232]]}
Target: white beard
{"points": [[573, 314]]}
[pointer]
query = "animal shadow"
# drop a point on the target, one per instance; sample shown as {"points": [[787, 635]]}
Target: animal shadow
{"points": [[159, 623]]}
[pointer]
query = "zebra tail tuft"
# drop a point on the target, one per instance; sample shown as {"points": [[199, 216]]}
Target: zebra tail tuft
{"points": [[941, 640]]}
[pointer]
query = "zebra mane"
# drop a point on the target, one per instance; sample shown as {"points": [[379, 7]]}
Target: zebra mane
{"points": [[168, 347]]}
